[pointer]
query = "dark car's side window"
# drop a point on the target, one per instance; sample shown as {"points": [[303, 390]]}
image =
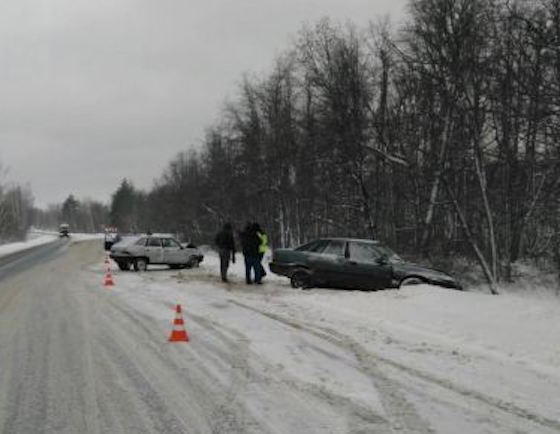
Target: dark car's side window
{"points": [[154, 242], [363, 252], [335, 247]]}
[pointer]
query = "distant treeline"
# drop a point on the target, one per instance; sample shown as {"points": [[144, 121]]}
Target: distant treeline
{"points": [[16, 212], [439, 138], [82, 215]]}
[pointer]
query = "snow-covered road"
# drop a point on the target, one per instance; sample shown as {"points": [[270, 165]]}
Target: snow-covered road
{"points": [[77, 357]]}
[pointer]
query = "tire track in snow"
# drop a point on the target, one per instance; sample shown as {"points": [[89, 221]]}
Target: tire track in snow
{"points": [[387, 387], [221, 413], [226, 416], [249, 374], [364, 419]]}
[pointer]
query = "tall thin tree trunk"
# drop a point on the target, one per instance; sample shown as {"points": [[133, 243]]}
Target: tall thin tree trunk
{"points": [[488, 212], [468, 234], [436, 184], [282, 223]]}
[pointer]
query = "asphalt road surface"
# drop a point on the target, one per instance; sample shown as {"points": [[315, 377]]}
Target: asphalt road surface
{"points": [[22, 261], [78, 358]]}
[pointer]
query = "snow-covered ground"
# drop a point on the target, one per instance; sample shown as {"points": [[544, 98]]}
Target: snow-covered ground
{"points": [[426, 357], [82, 357]]}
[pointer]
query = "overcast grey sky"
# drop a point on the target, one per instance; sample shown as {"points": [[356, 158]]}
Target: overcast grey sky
{"points": [[92, 91]]}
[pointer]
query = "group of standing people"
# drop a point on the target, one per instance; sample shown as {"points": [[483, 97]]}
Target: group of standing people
{"points": [[254, 243]]}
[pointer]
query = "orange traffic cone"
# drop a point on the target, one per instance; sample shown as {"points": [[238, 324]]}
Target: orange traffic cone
{"points": [[109, 279], [178, 334]]}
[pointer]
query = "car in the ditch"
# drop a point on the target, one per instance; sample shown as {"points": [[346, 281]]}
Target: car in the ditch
{"points": [[352, 264], [139, 252]]}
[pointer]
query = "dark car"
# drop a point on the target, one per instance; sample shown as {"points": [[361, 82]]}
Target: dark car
{"points": [[353, 264]]}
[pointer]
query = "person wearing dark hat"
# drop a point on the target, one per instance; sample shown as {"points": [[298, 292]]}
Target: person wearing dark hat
{"points": [[226, 247], [250, 244]]}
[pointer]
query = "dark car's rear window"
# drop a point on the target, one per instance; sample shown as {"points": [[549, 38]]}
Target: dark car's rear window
{"points": [[314, 246], [335, 247]]}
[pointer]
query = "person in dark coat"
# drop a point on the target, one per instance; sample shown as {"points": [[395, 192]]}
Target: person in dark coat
{"points": [[226, 247], [250, 243]]}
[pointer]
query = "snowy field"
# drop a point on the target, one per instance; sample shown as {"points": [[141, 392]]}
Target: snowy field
{"points": [[436, 359], [267, 358]]}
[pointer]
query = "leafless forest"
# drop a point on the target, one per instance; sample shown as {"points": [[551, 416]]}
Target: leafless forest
{"points": [[439, 137]]}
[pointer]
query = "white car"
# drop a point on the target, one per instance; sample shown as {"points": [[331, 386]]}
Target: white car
{"points": [[155, 249]]}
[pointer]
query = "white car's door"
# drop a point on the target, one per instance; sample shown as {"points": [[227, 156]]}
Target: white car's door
{"points": [[173, 253], [154, 250]]}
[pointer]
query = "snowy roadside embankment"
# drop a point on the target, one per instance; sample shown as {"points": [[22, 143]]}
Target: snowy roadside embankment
{"points": [[77, 237], [33, 240], [489, 361], [38, 238]]}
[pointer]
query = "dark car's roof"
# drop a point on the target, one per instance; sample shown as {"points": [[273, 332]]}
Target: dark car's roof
{"points": [[360, 240], [156, 236]]}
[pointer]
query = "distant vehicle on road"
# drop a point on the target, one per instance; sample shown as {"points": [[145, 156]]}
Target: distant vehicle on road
{"points": [[64, 230], [353, 264], [154, 249]]}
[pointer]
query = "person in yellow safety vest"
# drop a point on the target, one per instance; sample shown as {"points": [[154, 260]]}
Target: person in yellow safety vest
{"points": [[263, 245]]}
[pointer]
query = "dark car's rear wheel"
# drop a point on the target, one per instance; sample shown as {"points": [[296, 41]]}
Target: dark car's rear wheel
{"points": [[301, 279], [409, 281], [140, 264]]}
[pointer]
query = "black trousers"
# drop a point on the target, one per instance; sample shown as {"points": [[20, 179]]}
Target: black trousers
{"points": [[261, 267], [225, 254]]}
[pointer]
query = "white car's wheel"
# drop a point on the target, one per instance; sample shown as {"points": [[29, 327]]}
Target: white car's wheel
{"points": [[192, 262], [124, 265], [140, 264]]}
